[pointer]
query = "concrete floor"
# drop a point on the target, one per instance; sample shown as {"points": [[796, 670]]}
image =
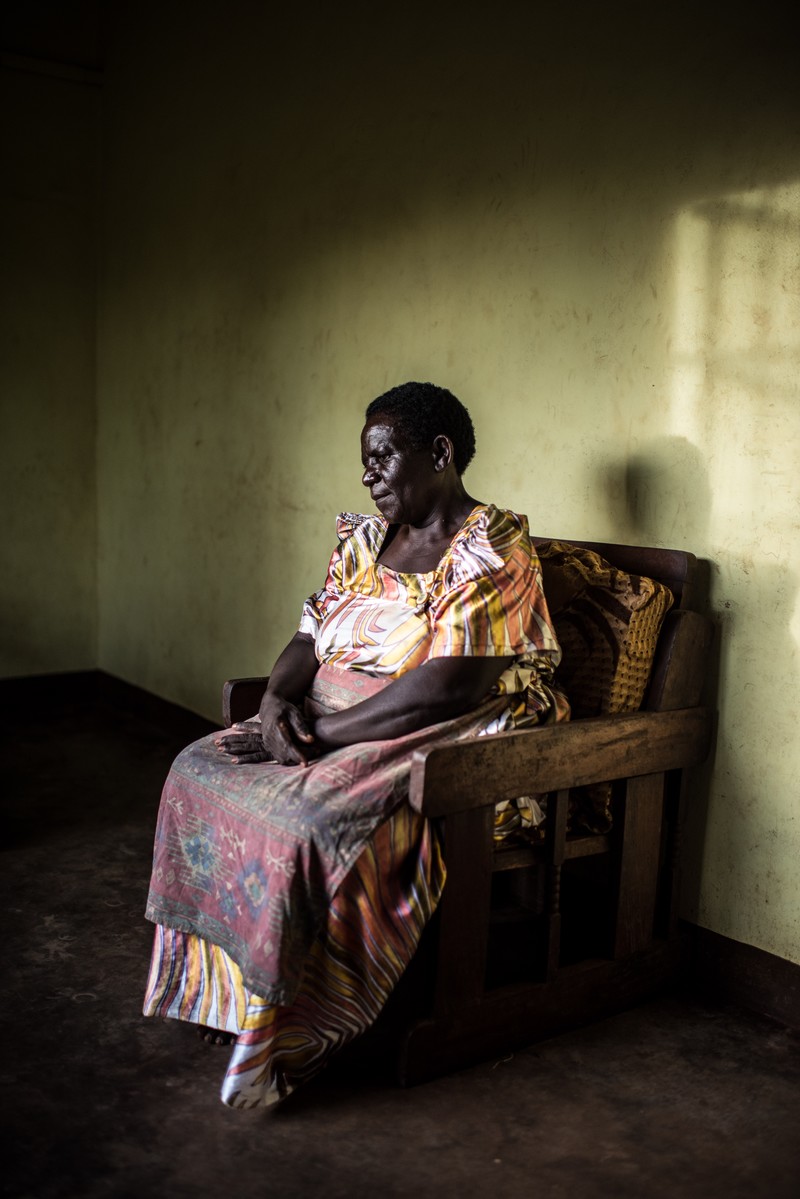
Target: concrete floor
{"points": [[675, 1098]]}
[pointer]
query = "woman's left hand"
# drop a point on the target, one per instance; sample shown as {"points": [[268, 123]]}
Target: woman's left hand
{"points": [[243, 742]]}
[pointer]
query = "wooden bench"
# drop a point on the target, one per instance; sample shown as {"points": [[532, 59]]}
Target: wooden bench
{"points": [[531, 939]]}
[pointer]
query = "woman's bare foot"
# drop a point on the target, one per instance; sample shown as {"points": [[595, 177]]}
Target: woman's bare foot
{"points": [[215, 1036]]}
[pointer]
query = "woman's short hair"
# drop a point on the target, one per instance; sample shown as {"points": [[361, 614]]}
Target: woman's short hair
{"points": [[423, 411]]}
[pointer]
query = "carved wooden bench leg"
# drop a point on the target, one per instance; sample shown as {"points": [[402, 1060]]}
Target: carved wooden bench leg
{"points": [[464, 912], [638, 826], [555, 844]]}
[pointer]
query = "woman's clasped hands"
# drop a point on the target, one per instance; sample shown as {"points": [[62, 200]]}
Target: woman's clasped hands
{"points": [[279, 733]]}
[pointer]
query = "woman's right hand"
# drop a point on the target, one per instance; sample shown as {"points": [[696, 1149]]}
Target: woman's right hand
{"points": [[285, 732]]}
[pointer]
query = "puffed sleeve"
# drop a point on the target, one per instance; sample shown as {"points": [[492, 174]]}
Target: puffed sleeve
{"points": [[492, 603], [355, 534]]}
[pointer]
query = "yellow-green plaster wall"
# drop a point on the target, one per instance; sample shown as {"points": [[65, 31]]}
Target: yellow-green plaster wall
{"points": [[584, 222], [48, 182]]}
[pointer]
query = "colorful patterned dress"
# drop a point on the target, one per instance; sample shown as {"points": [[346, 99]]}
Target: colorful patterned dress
{"points": [[289, 902]]}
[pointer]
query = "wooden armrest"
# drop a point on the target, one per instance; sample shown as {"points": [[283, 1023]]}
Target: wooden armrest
{"points": [[471, 774], [241, 698]]}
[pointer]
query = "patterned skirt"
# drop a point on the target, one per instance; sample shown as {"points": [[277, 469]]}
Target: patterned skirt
{"points": [[372, 930]]}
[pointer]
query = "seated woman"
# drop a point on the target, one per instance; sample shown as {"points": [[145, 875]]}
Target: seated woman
{"points": [[291, 879]]}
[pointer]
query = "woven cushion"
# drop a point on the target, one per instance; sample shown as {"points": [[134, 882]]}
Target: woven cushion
{"points": [[607, 623]]}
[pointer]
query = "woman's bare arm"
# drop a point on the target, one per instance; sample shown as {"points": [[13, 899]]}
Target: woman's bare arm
{"points": [[293, 673], [283, 734], [438, 690], [284, 728]]}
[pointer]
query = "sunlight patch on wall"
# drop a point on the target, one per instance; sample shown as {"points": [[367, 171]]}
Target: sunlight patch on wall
{"points": [[737, 356], [735, 398]]}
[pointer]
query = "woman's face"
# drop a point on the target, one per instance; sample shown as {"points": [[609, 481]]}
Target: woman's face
{"points": [[402, 481]]}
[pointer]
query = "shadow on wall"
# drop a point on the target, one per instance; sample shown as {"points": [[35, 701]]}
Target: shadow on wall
{"points": [[661, 495]]}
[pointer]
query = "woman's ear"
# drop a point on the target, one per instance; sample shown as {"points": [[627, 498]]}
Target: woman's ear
{"points": [[442, 452]]}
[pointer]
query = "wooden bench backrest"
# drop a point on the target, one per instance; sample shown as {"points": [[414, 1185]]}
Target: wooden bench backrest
{"points": [[678, 672], [676, 569]]}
